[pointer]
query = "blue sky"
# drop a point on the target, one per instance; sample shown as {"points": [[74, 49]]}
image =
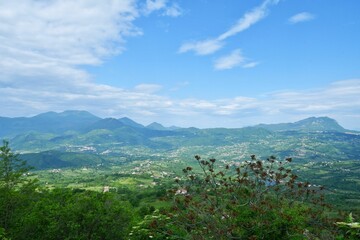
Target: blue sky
{"points": [[203, 63]]}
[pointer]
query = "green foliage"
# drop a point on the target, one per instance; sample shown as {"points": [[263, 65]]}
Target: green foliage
{"points": [[349, 229], [15, 186], [153, 226], [253, 200], [67, 214], [12, 169], [70, 214], [58, 159], [29, 212], [3, 234]]}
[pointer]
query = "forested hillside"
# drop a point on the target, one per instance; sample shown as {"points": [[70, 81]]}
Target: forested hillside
{"points": [[93, 178], [256, 199]]}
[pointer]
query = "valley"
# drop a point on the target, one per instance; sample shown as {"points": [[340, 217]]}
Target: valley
{"points": [[66, 152], [95, 165]]}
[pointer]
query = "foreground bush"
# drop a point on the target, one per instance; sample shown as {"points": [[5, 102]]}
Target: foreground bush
{"points": [[251, 200], [349, 229]]}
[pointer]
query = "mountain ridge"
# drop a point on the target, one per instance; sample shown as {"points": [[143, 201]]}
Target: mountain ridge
{"points": [[49, 122], [79, 121], [307, 124], [110, 138]]}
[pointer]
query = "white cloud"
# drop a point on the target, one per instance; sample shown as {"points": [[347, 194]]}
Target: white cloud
{"points": [[44, 43], [301, 17], [148, 88], [52, 38], [173, 10], [250, 64], [249, 19], [154, 5], [338, 100], [202, 47], [212, 45], [234, 59]]}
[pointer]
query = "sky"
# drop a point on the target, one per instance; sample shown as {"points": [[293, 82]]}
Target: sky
{"points": [[200, 63]]}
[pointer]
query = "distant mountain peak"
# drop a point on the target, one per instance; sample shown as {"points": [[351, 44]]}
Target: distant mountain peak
{"points": [[106, 123], [67, 113], [174, 127], [309, 124], [318, 119], [76, 112], [126, 119], [49, 122], [320, 124], [110, 121], [156, 126], [129, 122]]}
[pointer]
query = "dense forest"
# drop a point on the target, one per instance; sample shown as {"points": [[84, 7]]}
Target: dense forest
{"points": [[252, 200]]}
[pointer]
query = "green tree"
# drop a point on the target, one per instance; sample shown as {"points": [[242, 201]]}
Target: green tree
{"points": [[76, 214], [12, 168], [15, 186]]}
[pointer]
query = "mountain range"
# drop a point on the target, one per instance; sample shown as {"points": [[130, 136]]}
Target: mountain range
{"points": [[75, 138], [82, 121]]}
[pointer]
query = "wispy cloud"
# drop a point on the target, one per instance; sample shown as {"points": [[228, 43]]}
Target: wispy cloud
{"points": [[50, 39], [234, 59], [173, 10], [249, 19], [250, 64], [301, 17], [144, 103], [202, 47], [154, 5], [229, 61], [44, 43], [209, 46], [147, 88], [338, 97]]}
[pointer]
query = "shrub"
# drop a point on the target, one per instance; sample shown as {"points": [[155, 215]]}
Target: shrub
{"points": [[254, 199], [349, 229]]}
